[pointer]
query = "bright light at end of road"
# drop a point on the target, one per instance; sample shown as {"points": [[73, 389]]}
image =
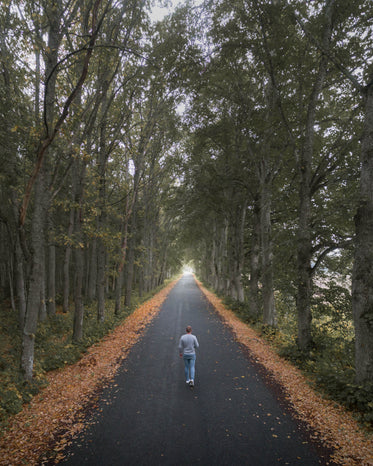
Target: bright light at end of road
{"points": [[187, 270]]}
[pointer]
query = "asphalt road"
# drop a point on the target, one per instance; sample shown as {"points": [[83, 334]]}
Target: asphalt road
{"points": [[149, 416]]}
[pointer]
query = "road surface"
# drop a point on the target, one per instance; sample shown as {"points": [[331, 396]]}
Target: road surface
{"points": [[149, 416]]}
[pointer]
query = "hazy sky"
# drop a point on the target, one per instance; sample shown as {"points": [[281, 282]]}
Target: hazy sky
{"points": [[158, 12]]}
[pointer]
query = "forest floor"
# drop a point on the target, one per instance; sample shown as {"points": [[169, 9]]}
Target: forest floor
{"points": [[57, 413]]}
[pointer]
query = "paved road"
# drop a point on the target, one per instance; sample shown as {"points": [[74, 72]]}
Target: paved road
{"points": [[150, 417]]}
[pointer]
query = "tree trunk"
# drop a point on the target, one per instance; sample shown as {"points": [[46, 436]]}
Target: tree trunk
{"points": [[130, 268], [101, 248], [362, 277], [239, 228], [11, 284], [92, 271], [78, 295], [51, 279], [254, 263], [19, 267], [33, 298], [118, 292], [123, 252], [78, 180], [269, 309], [304, 254], [43, 300], [223, 286], [66, 265], [101, 255]]}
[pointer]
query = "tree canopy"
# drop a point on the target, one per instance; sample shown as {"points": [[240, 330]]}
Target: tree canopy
{"points": [[234, 136]]}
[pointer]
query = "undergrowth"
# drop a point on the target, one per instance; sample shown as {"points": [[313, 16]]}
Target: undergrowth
{"points": [[54, 349], [329, 364]]}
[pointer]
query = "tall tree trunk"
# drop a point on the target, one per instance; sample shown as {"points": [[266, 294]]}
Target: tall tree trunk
{"points": [[123, 252], [304, 253], [78, 289], [222, 273], [92, 271], [118, 292], [269, 309], [43, 286], [66, 266], [78, 176], [11, 284], [101, 247], [239, 228], [33, 298], [101, 280], [51, 278], [130, 264], [255, 263], [78, 295], [19, 266], [362, 277], [304, 256]]}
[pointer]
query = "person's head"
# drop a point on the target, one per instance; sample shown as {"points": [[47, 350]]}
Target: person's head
{"points": [[189, 329]]}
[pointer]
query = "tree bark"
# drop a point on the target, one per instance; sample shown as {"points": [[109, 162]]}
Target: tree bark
{"points": [[43, 279], [78, 290], [92, 271], [66, 265], [269, 309], [304, 253], [33, 301], [78, 180], [130, 263], [51, 279], [19, 266], [238, 265], [362, 277], [254, 306], [118, 292], [101, 279]]}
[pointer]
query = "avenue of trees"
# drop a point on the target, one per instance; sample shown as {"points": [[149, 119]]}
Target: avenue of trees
{"points": [[277, 192], [264, 183], [87, 130]]}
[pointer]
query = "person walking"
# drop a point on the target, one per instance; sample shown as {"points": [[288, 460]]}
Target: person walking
{"points": [[187, 350]]}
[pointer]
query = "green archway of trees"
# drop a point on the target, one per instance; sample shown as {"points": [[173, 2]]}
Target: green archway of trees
{"points": [[263, 182]]}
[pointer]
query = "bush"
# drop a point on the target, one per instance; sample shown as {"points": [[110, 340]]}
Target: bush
{"points": [[11, 399]]}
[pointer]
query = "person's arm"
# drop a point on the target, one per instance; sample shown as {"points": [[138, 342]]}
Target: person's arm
{"points": [[181, 347], [196, 344]]}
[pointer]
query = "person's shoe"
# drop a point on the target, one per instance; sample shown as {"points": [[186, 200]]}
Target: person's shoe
{"points": [[191, 383], [188, 381]]}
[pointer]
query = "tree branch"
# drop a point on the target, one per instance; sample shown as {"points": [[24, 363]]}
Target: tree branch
{"points": [[48, 141]]}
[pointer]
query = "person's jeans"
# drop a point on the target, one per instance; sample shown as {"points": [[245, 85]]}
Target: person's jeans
{"points": [[189, 363]]}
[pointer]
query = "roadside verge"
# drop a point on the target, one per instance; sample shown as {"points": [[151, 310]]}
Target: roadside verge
{"points": [[336, 428], [57, 412]]}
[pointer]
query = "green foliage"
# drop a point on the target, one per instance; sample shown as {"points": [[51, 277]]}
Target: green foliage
{"points": [[240, 309]]}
